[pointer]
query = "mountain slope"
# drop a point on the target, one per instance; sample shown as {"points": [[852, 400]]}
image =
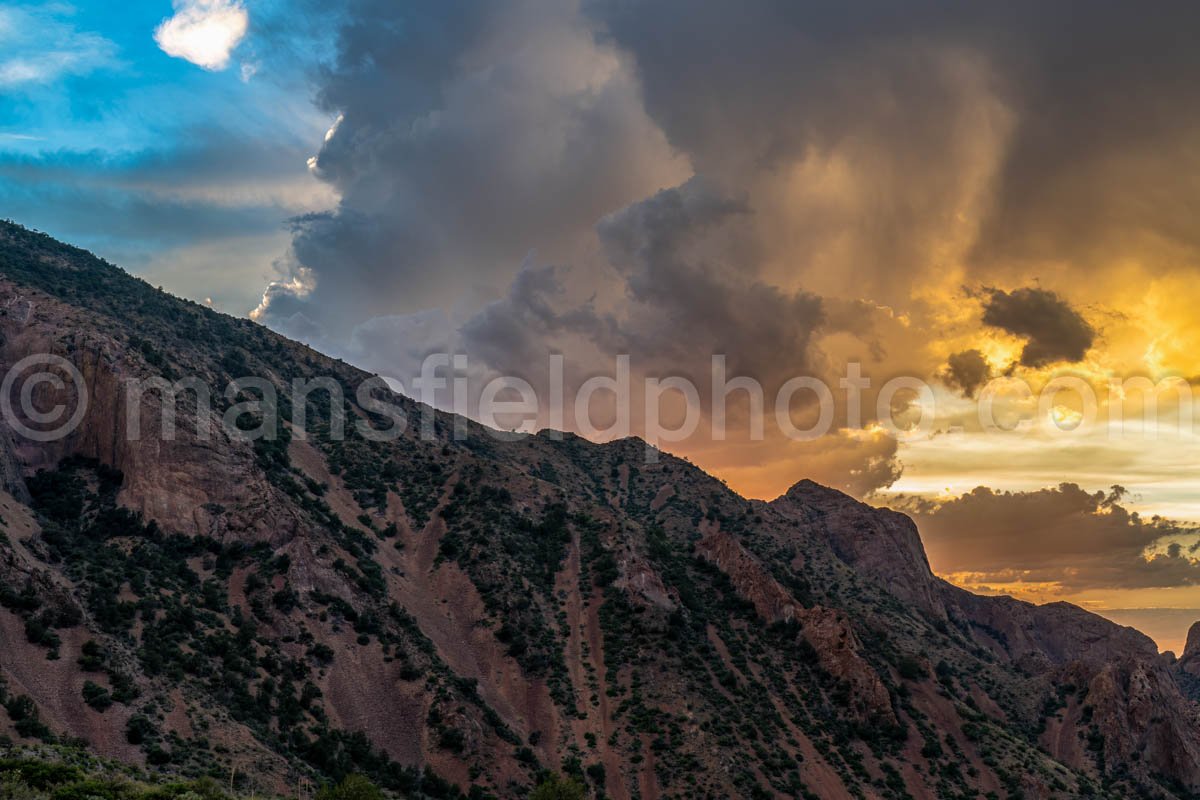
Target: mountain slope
{"points": [[454, 615]]}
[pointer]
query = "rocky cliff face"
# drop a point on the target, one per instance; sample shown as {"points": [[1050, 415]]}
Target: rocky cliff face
{"points": [[1130, 708], [1190, 659], [453, 616], [877, 542]]}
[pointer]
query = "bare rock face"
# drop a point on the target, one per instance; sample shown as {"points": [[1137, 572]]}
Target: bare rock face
{"points": [[839, 653], [1189, 661], [12, 476], [878, 543], [1143, 718], [201, 485], [643, 583], [827, 631], [752, 581]]}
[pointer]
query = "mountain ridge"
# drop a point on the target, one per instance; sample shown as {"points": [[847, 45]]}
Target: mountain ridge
{"points": [[455, 616]]}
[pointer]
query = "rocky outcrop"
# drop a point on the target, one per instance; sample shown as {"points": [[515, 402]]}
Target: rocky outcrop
{"points": [[1133, 702], [828, 632], [1189, 661], [1144, 720], [1132, 710], [748, 576], [877, 543], [839, 653], [200, 485], [643, 583]]}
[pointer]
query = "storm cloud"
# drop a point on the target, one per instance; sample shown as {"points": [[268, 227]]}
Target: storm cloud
{"points": [[967, 371], [1064, 536], [870, 149], [467, 136], [1081, 120], [1054, 331], [792, 185]]}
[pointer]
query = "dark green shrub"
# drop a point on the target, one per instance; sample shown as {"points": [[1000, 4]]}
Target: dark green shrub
{"points": [[558, 788], [139, 729], [96, 696], [352, 787]]}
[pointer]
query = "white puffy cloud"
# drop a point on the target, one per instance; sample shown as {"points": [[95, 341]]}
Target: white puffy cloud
{"points": [[204, 32]]}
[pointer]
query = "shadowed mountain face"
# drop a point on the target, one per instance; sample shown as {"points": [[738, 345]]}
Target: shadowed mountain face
{"points": [[454, 615]]}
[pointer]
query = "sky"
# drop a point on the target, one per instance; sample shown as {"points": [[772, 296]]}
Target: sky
{"points": [[994, 203]]}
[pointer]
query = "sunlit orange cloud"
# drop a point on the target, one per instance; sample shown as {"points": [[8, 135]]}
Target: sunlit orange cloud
{"points": [[901, 229], [1145, 329]]}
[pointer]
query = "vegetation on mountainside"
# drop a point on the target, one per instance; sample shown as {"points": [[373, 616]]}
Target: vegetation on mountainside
{"points": [[164, 598], [589, 577], [513, 561], [67, 773]]}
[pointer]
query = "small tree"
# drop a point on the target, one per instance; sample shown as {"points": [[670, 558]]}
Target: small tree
{"points": [[558, 788], [96, 696]]}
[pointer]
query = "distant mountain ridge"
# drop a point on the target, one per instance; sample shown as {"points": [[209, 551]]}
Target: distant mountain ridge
{"points": [[455, 617]]}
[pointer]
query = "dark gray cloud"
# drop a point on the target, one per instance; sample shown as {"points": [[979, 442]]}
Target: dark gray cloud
{"points": [[860, 139], [1064, 535], [469, 135], [690, 270], [1100, 167], [791, 184], [967, 371], [1099, 108], [689, 292], [517, 333], [1054, 331]]}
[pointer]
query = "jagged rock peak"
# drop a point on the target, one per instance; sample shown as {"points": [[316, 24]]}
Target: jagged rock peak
{"points": [[877, 542], [1192, 648], [810, 491]]}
